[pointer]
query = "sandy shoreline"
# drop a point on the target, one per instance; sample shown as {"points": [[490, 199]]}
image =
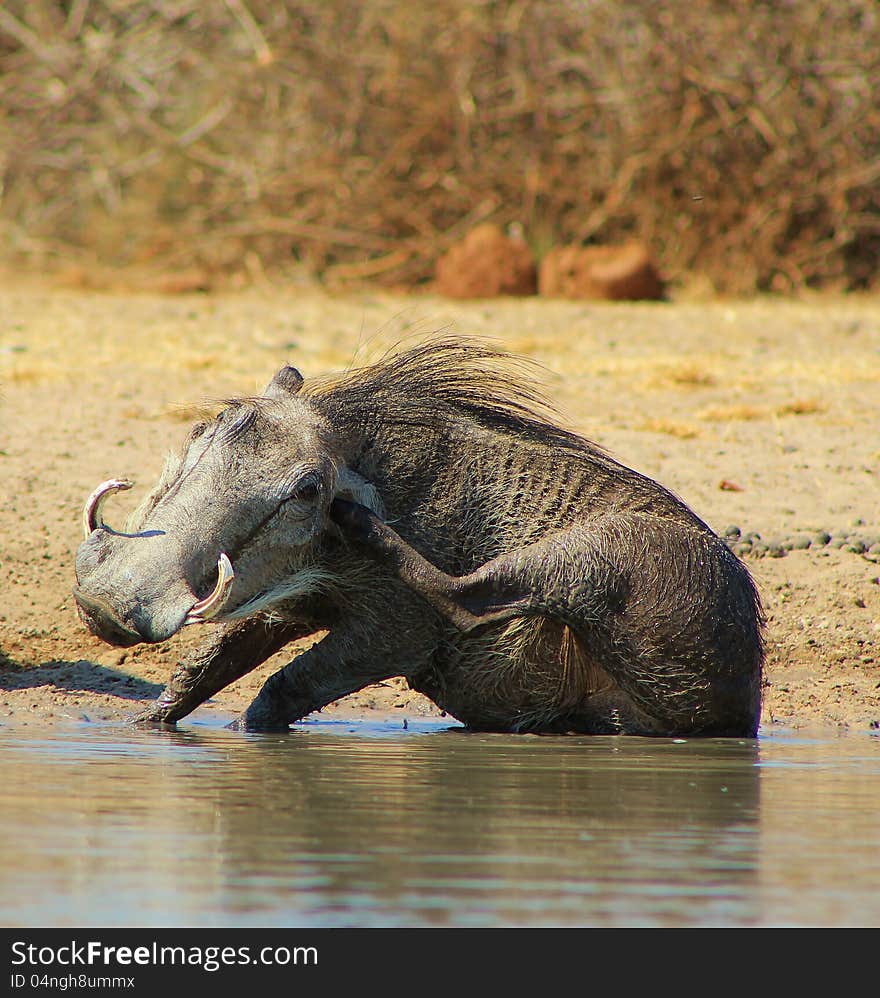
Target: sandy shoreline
{"points": [[763, 415]]}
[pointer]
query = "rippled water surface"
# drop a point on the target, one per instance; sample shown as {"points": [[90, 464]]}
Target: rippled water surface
{"points": [[373, 824]]}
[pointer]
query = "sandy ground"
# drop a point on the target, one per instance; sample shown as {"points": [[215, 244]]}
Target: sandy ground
{"points": [[762, 415]]}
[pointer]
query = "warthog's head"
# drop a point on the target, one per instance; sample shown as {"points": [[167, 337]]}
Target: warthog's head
{"points": [[232, 527]]}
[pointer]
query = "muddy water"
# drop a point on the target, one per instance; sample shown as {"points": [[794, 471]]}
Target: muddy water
{"points": [[373, 824]]}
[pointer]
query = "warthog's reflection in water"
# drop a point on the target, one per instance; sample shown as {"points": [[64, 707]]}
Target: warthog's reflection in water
{"points": [[418, 828]]}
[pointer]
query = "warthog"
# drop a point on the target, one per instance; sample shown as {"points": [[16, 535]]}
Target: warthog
{"points": [[428, 514]]}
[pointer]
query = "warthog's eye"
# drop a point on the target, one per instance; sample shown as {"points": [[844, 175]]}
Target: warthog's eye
{"points": [[306, 489]]}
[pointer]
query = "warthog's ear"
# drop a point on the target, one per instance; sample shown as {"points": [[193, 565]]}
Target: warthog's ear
{"points": [[350, 485], [287, 381]]}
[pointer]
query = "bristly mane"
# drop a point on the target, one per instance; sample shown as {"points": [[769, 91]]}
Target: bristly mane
{"points": [[444, 380]]}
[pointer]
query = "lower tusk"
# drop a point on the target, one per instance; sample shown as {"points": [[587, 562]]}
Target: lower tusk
{"points": [[91, 519], [210, 606]]}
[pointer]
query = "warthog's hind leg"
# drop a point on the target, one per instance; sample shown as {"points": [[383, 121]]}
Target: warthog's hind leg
{"points": [[664, 607], [548, 578]]}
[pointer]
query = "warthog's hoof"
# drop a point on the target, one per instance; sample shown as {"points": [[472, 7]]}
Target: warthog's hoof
{"points": [[154, 716], [265, 725]]}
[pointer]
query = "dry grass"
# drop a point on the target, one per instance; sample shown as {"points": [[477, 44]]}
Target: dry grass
{"points": [[732, 413], [682, 374], [801, 407], [357, 141], [747, 413], [671, 428]]}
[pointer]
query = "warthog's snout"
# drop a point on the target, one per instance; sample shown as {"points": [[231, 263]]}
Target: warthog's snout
{"points": [[137, 587], [126, 594], [99, 618]]}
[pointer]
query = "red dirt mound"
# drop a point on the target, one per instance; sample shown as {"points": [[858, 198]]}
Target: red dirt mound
{"points": [[610, 272], [485, 264]]}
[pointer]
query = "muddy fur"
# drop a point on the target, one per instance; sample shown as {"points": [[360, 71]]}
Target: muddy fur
{"points": [[513, 571]]}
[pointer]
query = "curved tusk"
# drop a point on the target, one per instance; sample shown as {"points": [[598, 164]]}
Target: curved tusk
{"points": [[91, 517], [209, 607]]}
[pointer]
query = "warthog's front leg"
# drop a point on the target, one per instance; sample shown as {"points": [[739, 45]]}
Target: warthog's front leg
{"points": [[387, 634], [313, 679], [228, 655]]}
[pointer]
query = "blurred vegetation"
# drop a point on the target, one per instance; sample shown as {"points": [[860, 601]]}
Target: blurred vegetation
{"points": [[740, 141]]}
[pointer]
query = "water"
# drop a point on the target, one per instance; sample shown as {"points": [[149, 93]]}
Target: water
{"points": [[370, 824]]}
